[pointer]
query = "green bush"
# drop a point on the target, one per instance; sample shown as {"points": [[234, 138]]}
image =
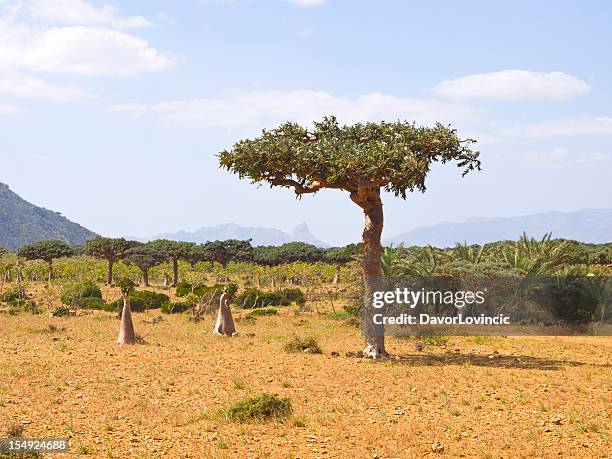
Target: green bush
{"points": [[24, 306], [175, 308], [255, 298], [14, 293], [80, 295], [263, 312], [262, 407], [201, 291], [307, 345], [92, 303], [294, 294], [141, 301]]}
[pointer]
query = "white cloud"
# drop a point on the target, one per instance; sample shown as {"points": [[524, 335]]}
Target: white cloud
{"points": [[92, 51], [78, 12], [81, 49], [256, 109], [512, 85], [25, 86]]}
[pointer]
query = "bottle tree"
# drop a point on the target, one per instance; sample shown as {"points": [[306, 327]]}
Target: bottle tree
{"points": [[126, 328], [47, 251], [360, 159]]}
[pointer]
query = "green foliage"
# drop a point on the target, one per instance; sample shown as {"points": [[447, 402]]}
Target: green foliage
{"points": [[435, 340], [396, 156], [175, 308], [76, 294], [306, 345], [127, 286], [45, 250], [14, 293], [255, 298], [263, 312], [144, 256], [23, 305], [92, 303], [142, 300], [111, 249], [263, 407], [223, 252], [534, 256], [201, 291]]}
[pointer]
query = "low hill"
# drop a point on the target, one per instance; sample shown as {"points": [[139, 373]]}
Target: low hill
{"points": [[22, 222]]}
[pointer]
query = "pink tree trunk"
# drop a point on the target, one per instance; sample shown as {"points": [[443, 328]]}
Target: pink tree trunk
{"points": [[126, 329], [225, 321]]}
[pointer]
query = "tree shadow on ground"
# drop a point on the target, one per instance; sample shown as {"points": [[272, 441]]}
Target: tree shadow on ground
{"points": [[521, 362]]}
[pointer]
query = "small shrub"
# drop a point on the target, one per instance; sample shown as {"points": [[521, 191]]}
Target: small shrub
{"points": [[435, 340], [294, 294], [142, 301], [24, 306], [60, 311], [92, 303], [352, 309], [307, 345], [255, 298], [14, 430], [263, 312], [76, 295], [175, 308], [15, 293], [262, 407]]}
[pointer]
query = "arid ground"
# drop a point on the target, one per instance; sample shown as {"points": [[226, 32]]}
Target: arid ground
{"points": [[467, 397]]}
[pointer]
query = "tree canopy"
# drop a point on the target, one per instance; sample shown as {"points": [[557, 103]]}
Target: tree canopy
{"points": [[111, 249], [45, 250], [396, 156], [145, 257]]}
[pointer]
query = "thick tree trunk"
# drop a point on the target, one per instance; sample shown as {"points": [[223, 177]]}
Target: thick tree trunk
{"points": [[145, 277], [175, 272], [126, 329], [225, 321], [369, 200]]}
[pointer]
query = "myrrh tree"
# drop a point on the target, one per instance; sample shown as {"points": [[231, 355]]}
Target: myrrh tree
{"points": [[47, 251], [111, 249], [361, 159], [144, 257], [175, 251]]}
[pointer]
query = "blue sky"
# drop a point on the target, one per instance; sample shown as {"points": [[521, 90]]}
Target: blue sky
{"points": [[112, 113]]}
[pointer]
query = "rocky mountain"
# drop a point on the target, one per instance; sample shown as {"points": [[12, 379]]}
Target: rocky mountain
{"points": [[22, 223], [258, 236], [589, 225]]}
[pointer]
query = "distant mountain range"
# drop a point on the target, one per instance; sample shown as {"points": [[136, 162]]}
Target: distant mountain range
{"points": [[590, 225], [258, 236], [22, 223]]}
